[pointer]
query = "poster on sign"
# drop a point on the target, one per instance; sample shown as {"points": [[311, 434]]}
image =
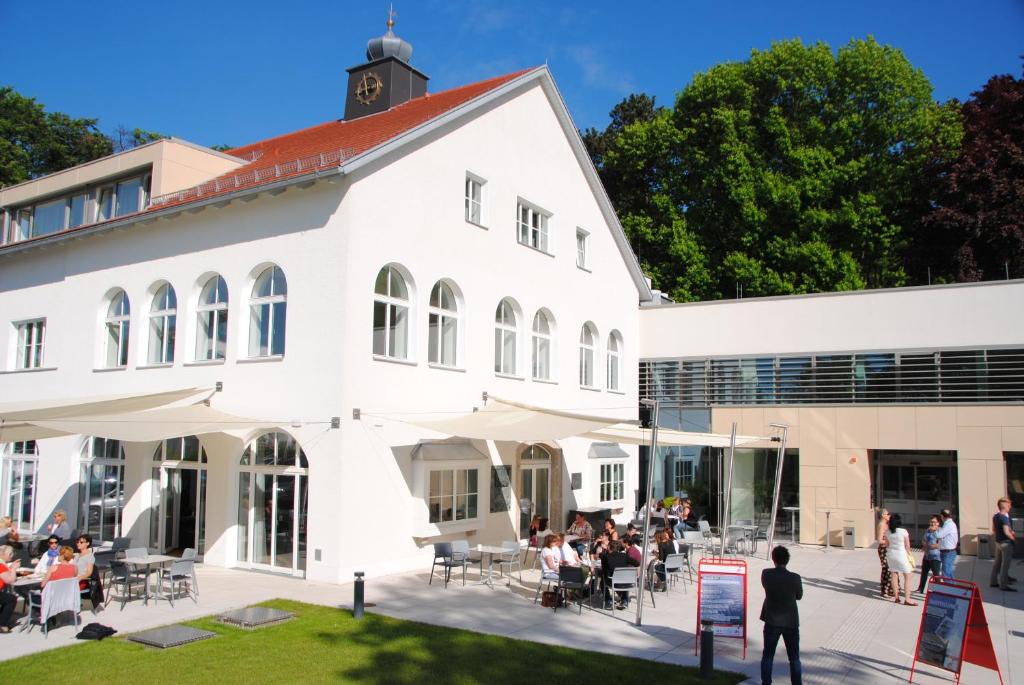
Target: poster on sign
{"points": [[722, 598]]}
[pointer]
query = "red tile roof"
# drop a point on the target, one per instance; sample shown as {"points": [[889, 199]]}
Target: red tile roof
{"points": [[328, 144]]}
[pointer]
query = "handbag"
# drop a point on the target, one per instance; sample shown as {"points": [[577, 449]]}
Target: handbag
{"points": [[910, 558], [549, 599]]}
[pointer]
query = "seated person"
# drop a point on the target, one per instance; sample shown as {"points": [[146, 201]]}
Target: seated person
{"points": [[50, 557], [64, 568], [665, 547], [584, 532], [568, 553], [8, 574], [633, 550], [8, 530], [609, 527], [633, 533], [60, 526], [600, 545], [535, 527], [550, 558], [615, 558], [88, 573]]}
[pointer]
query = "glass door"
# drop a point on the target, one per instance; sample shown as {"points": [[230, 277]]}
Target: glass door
{"points": [[272, 521], [534, 483], [181, 510]]}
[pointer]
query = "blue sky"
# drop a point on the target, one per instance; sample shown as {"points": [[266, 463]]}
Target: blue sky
{"points": [[235, 72]]}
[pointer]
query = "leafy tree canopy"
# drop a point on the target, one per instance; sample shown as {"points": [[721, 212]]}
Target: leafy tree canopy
{"points": [[981, 208], [798, 170]]}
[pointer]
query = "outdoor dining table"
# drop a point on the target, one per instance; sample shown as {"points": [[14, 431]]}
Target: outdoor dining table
{"points": [[23, 585], [748, 534], [490, 550], [149, 561]]}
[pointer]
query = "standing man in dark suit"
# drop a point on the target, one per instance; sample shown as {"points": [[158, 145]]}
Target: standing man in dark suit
{"points": [[782, 589]]}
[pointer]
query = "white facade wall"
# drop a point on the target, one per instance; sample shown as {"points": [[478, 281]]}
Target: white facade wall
{"points": [[331, 240]]}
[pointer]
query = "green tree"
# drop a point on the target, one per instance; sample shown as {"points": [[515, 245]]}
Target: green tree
{"points": [[798, 170], [126, 139], [34, 142]]}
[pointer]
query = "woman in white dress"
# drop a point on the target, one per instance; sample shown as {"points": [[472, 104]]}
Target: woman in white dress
{"points": [[899, 559]]}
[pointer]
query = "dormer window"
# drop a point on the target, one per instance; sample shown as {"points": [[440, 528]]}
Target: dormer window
{"points": [[84, 206]]}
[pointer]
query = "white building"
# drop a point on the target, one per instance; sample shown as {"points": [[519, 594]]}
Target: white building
{"points": [[426, 249]]}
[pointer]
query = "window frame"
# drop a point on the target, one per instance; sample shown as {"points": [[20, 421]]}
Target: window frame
{"points": [[476, 182], [269, 302], [435, 347], [454, 496], [582, 249], [166, 299], [611, 480], [613, 356], [30, 351], [502, 330], [536, 339], [88, 459], [587, 355], [21, 458], [393, 306], [122, 320], [210, 347], [538, 236]]}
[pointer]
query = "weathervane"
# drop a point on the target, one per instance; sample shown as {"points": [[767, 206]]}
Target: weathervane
{"points": [[392, 15]]}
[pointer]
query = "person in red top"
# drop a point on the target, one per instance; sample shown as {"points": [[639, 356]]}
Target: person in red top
{"points": [[64, 568], [8, 574]]}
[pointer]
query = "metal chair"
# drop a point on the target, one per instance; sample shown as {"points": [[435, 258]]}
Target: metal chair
{"points": [[539, 545], [57, 597], [707, 533], [674, 566], [694, 539], [119, 545], [121, 575], [546, 578], [462, 547], [513, 557], [180, 573], [448, 559], [625, 580], [570, 578]]}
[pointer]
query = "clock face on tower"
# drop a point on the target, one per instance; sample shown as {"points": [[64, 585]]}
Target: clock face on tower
{"points": [[369, 88]]}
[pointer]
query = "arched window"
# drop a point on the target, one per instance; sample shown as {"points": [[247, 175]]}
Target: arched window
{"points": [[443, 327], [391, 314], [268, 310], [163, 316], [541, 346], [588, 339], [101, 489], [505, 334], [117, 325], [212, 320], [612, 355]]}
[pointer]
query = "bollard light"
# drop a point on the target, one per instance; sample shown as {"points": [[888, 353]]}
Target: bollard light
{"points": [[707, 650], [357, 599]]}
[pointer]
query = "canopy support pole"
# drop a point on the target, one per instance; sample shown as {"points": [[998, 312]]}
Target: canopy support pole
{"points": [[778, 483], [647, 505], [728, 489]]}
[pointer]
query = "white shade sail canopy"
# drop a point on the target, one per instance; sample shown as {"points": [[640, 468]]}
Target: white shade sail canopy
{"points": [[516, 422], [129, 418]]}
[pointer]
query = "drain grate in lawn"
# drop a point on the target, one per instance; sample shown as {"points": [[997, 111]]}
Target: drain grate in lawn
{"points": [[254, 617], [171, 636]]}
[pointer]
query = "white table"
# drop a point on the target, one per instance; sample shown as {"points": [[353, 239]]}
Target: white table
{"points": [[792, 522], [490, 550], [25, 584], [149, 561]]}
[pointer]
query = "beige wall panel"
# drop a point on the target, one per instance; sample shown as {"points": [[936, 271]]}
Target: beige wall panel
{"points": [[990, 416], [896, 430], [935, 428], [818, 476], [787, 415], [852, 483], [818, 435], [1013, 439], [722, 419], [979, 443], [752, 421], [825, 498], [974, 503], [807, 514], [857, 427]]}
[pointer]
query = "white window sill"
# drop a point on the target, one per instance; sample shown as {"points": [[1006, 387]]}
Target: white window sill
{"points": [[261, 360], [394, 360], [590, 388], [36, 369], [536, 249], [164, 365], [545, 380], [584, 268], [205, 362], [445, 367], [508, 376], [473, 223], [110, 368], [433, 530], [617, 392]]}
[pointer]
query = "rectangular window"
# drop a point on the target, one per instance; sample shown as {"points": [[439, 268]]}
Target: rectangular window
{"points": [[613, 482], [18, 484], [683, 475], [31, 336], [453, 495], [76, 215], [474, 199], [23, 225], [129, 196], [49, 217], [533, 226], [582, 245], [105, 204]]}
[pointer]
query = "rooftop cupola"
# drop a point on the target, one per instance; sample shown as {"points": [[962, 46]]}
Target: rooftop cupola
{"points": [[387, 79]]}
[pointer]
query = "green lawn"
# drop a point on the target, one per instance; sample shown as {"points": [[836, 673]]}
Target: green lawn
{"points": [[327, 645]]}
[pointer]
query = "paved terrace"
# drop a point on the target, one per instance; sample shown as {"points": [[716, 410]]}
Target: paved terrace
{"points": [[848, 634]]}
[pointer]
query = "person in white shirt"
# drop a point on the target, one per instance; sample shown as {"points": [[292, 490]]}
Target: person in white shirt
{"points": [[949, 538], [569, 555], [550, 558]]}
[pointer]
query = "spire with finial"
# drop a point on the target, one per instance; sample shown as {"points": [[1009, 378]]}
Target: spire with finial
{"points": [[389, 45]]}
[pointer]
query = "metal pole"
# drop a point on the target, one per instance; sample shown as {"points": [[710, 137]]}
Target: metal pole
{"points": [[357, 596], [647, 499], [728, 490], [707, 650], [778, 483]]}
